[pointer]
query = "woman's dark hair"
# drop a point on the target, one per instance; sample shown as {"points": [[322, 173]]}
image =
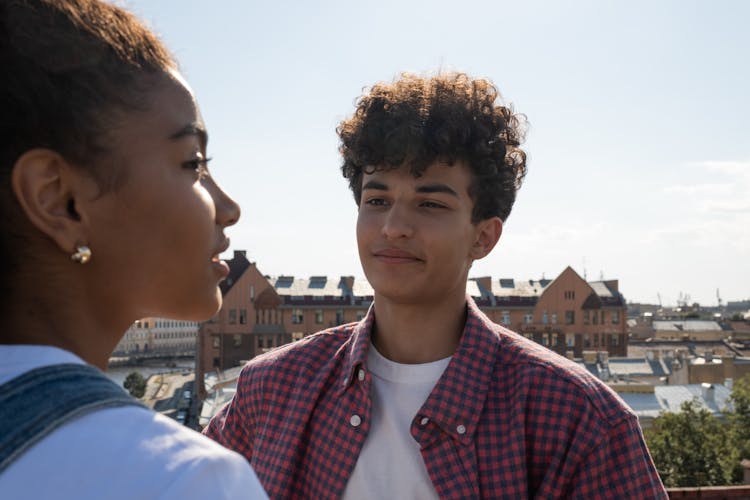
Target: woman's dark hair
{"points": [[451, 117], [70, 68]]}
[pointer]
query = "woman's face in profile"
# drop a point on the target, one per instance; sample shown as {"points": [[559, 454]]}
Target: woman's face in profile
{"points": [[157, 236]]}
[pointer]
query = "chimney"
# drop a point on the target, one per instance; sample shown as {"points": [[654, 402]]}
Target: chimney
{"points": [[348, 282], [485, 283], [240, 253]]}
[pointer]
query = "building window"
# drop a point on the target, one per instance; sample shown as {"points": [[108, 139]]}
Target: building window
{"points": [[615, 340], [506, 318], [529, 336], [297, 336], [570, 317], [596, 318], [339, 316], [217, 342], [554, 318], [586, 340], [360, 315], [602, 318], [596, 340], [528, 318], [297, 316], [260, 342], [243, 316], [232, 316], [569, 295], [586, 317], [555, 340], [252, 293], [615, 317], [545, 339], [319, 316], [545, 318], [237, 340]]}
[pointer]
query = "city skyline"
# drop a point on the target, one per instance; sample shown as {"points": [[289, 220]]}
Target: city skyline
{"points": [[639, 165]]}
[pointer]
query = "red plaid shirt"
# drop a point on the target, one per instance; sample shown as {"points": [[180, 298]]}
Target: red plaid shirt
{"points": [[507, 419]]}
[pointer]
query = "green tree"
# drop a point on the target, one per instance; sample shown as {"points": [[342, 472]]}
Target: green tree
{"points": [[690, 447], [738, 416], [135, 384]]}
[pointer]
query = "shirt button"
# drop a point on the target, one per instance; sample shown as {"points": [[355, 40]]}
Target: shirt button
{"points": [[461, 429], [355, 420], [361, 374], [424, 420]]}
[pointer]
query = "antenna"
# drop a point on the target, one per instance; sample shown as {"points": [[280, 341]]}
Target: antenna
{"points": [[718, 297], [584, 269], [658, 296]]}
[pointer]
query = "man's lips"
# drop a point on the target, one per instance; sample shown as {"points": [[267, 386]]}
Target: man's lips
{"points": [[395, 255]]}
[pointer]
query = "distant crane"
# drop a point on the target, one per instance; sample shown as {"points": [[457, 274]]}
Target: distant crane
{"points": [[658, 296], [718, 297]]}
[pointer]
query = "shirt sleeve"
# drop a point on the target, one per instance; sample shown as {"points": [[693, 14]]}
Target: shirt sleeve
{"points": [[219, 476], [232, 425], [619, 466]]}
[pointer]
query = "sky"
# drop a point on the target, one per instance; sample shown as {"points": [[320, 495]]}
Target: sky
{"points": [[638, 140]]}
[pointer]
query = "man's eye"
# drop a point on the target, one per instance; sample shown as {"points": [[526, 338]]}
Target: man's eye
{"points": [[432, 204], [375, 202]]}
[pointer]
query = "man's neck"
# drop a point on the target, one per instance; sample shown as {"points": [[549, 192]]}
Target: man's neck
{"points": [[418, 333]]}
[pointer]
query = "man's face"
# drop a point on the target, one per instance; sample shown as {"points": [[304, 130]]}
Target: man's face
{"points": [[415, 236]]}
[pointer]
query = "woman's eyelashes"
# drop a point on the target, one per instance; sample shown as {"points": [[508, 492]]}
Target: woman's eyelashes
{"points": [[198, 164]]}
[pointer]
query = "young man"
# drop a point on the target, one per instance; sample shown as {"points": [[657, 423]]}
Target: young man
{"points": [[426, 397]]}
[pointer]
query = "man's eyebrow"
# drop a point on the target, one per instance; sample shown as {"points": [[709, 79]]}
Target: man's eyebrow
{"points": [[437, 188], [195, 129], [375, 185]]}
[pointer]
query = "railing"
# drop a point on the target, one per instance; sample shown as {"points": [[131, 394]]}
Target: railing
{"points": [[711, 492]]}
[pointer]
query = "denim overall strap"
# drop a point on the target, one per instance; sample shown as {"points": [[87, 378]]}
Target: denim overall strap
{"points": [[36, 403]]}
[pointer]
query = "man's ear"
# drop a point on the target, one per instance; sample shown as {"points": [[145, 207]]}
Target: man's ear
{"points": [[487, 235], [46, 187]]}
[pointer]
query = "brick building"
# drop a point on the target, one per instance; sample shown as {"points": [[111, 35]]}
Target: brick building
{"points": [[158, 336], [568, 314]]}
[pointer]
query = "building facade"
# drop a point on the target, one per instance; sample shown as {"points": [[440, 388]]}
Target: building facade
{"points": [[158, 336], [568, 314]]}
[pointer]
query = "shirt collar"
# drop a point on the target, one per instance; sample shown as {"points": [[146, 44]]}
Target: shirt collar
{"points": [[455, 403], [356, 354]]}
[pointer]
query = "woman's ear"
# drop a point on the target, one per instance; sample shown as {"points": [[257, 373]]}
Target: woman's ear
{"points": [[486, 237], [47, 188]]}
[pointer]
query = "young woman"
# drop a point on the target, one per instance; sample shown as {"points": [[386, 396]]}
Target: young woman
{"points": [[109, 215]]}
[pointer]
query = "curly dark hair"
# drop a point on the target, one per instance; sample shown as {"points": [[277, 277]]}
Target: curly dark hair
{"points": [[450, 117], [70, 69]]}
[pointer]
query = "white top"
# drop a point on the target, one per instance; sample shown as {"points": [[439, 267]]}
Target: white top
{"points": [[390, 464], [119, 453]]}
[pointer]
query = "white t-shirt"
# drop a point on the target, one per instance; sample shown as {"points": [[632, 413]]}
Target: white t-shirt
{"points": [[390, 464], [123, 453]]}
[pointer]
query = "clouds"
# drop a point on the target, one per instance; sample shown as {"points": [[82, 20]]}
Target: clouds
{"points": [[724, 189]]}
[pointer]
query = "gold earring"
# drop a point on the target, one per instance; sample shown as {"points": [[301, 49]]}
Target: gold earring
{"points": [[82, 254]]}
